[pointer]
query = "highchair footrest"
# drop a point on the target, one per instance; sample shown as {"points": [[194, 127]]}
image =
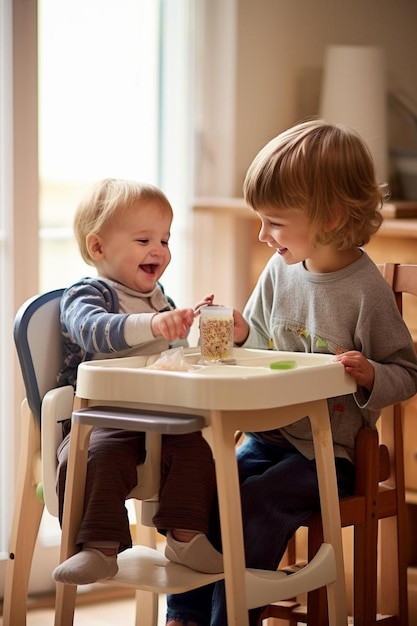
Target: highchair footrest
{"points": [[163, 422], [145, 568], [265, 587]]}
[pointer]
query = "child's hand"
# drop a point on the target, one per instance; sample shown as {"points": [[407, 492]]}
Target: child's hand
{"points": [[172, 324], [241, 328], [207, 300], [358, 366]]}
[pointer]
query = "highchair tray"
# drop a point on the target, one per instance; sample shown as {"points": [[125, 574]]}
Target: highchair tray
{"points": [[254, 380]]}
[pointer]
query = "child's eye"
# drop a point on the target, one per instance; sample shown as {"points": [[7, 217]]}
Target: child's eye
{"points": [[143, 241], [165, 242]]}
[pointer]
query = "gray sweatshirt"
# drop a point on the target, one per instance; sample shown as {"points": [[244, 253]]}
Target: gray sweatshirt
{"points": [[293, 309]]}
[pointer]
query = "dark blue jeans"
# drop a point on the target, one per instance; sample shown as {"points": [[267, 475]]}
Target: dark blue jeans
{"points": [[279, 492]]}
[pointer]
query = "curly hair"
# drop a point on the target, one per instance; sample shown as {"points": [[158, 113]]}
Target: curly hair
{"points": [[326, 171]]}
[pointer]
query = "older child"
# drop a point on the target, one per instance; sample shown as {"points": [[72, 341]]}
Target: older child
{"points": [[314, 190], [123, 229]]}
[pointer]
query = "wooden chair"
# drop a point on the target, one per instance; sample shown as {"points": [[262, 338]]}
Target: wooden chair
{"points": [[377, 512]]}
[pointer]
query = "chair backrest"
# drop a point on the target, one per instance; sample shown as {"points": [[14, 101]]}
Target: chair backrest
{"points": [[37, 337], [403, 279]]}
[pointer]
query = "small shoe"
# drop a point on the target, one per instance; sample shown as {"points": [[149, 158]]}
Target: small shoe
{"points": [[86, 567], [197, 554]]}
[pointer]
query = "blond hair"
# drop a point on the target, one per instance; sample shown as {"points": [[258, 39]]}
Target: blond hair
{"points": [[326, 171], [107, 199]]}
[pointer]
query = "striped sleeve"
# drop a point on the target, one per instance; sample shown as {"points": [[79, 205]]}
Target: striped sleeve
{"points": [[88, 318]]}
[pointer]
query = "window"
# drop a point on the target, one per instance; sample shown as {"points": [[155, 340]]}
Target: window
{"points": [[6, 315], [114, 87], [98, 112]]}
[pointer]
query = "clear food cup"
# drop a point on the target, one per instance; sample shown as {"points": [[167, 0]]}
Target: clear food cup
{"points": [[216, 333]]}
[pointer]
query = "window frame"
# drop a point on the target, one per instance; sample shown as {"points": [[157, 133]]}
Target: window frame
{"points": [[18, 206]]}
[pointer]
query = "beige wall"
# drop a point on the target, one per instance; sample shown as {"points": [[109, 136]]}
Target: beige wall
{"points": [[280, 50]]}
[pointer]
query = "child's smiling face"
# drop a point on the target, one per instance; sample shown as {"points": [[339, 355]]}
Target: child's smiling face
{"points": [[288, 231], [133, 248]]}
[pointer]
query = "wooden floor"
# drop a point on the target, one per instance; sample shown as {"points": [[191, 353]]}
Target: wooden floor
{"points": [[99, 613], [111, 613], [103, 614]]}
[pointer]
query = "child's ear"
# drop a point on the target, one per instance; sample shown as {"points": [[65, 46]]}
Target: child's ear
{"points": [[333, 222], [94, 247]]}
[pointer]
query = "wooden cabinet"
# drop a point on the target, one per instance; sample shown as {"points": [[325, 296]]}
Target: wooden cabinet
{"points": [[396, 242], [228, 257]]}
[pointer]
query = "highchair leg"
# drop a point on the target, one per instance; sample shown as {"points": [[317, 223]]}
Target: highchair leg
{"points": [[146, 601], [73, 509], [26, 521], [65, 597]]}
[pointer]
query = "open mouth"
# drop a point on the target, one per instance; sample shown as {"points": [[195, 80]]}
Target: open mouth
{"points": [[149, 268]]}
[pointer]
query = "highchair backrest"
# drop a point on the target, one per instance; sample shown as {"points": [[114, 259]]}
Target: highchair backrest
{"points": [[37, 335], [38, 343]]}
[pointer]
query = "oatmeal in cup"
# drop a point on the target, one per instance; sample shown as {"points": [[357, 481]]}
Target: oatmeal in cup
{"points": [[216, 333]]}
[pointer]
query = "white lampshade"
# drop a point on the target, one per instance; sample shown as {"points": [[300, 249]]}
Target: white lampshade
{"points": [[354, 93]]}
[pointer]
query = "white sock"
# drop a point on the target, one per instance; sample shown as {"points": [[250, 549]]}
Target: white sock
{"points": [[86, 567]]}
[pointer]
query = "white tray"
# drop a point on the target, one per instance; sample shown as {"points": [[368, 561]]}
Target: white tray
{"points": [[248, 384]]}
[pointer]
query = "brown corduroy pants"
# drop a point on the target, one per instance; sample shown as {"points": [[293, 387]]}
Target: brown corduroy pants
{"points": [[187, 483]]}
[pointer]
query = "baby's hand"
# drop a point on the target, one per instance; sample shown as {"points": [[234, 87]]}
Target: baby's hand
{"points": [[358, 366], [206, 301], [172, 324]]}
